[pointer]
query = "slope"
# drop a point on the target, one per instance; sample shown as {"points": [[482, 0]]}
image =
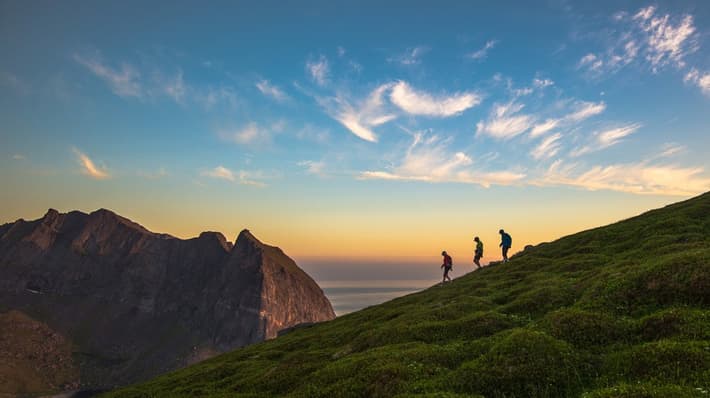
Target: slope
{"points": [[621, 310]]}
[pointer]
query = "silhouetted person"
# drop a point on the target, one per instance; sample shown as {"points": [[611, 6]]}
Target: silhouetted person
{"points": [[478, 253], [447, 266], [505, 242]]}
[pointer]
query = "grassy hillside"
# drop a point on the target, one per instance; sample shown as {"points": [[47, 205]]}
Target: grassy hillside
{"points": [[618, 311]]}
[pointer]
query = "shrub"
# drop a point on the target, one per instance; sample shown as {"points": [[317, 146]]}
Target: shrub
{"points": [[524, 364], [585, 329]]}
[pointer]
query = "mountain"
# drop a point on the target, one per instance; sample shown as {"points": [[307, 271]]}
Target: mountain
{"points": [[617, 311], [122, 304]]}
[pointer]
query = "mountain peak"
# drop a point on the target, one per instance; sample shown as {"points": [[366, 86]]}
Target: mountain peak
{"points": [[105, 217]]}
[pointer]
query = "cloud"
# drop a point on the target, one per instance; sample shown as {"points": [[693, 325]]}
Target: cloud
{"points": [[611, 137], [175, 88], [241, 177], [700, 79], [591, 61], [638, 178], [412, 56], [671, 149], [361, 118], [584, 110], [250, 178], [483, 52], [666, 42], [661, 40], [504, 121], [542, 128], [421, 103], [17, 156], [312, 133], [319, 70], [429, 159], [271, 90], [542, 83], [220, 172], [251, 134], [123, 82], [212, 96], [89, 168], [547, 148], [313, 167], [606, 138]]}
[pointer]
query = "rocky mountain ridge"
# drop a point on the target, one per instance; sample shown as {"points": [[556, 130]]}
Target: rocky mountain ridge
{"points": [[135, 303]]}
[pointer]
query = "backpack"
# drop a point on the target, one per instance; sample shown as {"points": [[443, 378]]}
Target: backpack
{"points": [[450, 261]]}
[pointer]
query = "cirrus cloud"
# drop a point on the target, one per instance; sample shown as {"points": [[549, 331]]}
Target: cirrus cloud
{"points": [[418, 102], [89, 168]]}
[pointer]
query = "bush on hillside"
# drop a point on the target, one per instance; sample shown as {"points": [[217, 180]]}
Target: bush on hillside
{"points": [[523, 364], [584, 328]]}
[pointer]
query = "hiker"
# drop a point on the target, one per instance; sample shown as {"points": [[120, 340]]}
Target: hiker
{"points": [[505, 242], [447, 266], [478, 253]]}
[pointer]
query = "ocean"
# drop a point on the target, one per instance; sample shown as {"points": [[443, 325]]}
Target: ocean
{"points": [[352, 295]]}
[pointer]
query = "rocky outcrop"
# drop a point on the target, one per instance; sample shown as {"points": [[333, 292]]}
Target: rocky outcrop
{"points": [[135, 303]]}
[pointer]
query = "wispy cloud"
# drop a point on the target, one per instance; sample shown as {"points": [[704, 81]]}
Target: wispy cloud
{"points": [[584, 110], [505, 121], [670, 149], [313, 167], [649, 38], [543, 127], [360, 118], [220, 172], [548, 148], [606, 138], [667, 43], [271, 90], [579, 111], [542, 83], [213, 96], [417, 102], [242, 177], [17, 156], [429, 159], [700, 79], [412, 56], [310, 132], [482, 53], [127, 81], [637, 178], [175, 88], [123, 81], [319, 70], [251, 134], [89, 168]]}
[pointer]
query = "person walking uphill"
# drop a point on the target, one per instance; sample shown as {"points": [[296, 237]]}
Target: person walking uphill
{"points": [[505, 242], [447, 266], [478, 253]]}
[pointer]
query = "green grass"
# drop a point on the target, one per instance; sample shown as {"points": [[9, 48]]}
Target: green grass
{"points": [[618, 311]]}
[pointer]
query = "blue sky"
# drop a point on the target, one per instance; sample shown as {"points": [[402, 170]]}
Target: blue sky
{"points": [[318, 123]]}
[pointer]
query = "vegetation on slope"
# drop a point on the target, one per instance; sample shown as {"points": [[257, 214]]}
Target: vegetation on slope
{"points": [[618, 311]]}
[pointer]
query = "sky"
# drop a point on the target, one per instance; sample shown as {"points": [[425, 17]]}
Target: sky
{"points": [[361, 137]]}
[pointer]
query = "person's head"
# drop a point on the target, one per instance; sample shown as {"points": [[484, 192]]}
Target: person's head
{"points": [[443, 253], [501, 232], [476, 238]]}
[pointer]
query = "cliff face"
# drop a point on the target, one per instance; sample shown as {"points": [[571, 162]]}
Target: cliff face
{"points": [[135, 303]]}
